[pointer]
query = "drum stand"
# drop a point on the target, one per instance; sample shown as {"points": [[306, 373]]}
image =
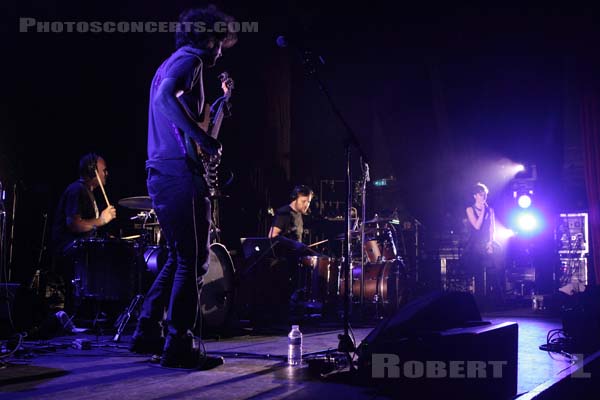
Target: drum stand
{"points": [[123, 319], [136, 302]]}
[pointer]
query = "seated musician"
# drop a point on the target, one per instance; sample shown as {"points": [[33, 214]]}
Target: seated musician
{"points": [[288, 220], [287, 228], [77, 215]]}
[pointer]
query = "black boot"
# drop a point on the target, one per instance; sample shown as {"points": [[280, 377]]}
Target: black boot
{"points": [[181, 352], [147, 338]]}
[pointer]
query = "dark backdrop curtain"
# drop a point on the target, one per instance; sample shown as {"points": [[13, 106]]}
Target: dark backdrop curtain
{"points": [[590, 127]]}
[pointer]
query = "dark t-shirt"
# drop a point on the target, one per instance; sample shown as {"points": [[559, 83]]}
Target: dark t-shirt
{"points": [[77, 199], [290, 222], [166, 144]]}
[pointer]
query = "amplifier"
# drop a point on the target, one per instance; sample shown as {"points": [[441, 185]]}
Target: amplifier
{"points": [[572, 233]]}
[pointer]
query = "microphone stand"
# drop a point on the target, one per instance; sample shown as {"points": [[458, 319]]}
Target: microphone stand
{"points": [[366, 178], [346, 343]]}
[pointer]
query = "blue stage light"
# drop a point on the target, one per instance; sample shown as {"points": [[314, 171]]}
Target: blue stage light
{"points": [[526, 222]]}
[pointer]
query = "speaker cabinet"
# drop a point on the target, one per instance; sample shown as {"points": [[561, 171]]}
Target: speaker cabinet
{"points": [[438, 346]]}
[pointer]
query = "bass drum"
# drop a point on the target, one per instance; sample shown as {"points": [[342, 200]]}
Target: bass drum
{"points": [[217, 289], [106, 269], [385, 284]]}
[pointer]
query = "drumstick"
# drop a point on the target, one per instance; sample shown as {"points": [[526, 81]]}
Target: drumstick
{"points": [[317, 243], [102, 187]]}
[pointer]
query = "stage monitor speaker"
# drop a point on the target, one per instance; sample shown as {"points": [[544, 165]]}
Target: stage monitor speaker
{"points": [[438, 345], [432, 312]]}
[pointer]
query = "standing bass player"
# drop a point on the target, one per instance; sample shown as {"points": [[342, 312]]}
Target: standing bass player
{"points": [[179, 191]]}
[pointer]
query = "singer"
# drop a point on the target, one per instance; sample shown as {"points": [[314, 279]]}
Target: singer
{"points": [[479, 256]]}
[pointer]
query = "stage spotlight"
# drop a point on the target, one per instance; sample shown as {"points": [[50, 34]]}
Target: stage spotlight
{"points": [[524, 201], [526, 173], [527, 222]]}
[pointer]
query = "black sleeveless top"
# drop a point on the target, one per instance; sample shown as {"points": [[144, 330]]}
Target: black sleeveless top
{"points": [[478, 238]]}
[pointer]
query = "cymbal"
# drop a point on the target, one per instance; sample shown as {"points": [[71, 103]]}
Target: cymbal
{"points": [[354, 234], [383, 220], [137, 203], [131, 237]]}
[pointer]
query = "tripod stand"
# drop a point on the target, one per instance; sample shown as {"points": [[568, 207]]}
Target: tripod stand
{"points": [[123, 319]]}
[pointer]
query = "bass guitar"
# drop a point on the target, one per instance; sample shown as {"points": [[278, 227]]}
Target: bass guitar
{"points": [[213, 117]]}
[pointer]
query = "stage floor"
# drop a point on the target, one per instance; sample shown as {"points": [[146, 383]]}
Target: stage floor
{"points": [[254, 367]]}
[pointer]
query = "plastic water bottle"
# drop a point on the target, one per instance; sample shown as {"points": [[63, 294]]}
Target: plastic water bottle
{"points": [[295, 346]]}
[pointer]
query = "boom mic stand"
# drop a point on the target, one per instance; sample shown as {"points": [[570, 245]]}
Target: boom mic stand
{"points": [[366, 178], [346, 344]]}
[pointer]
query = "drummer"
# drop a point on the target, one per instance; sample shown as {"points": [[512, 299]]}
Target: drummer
{"points": [[288, 227], [288, 219], [77, 215]]}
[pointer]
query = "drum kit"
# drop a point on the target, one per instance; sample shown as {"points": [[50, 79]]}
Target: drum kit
{"points": [[120, 269], [108, 269], [378, 274]]}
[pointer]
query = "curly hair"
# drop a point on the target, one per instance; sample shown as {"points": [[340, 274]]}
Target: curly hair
{"points": [[207, 18]]}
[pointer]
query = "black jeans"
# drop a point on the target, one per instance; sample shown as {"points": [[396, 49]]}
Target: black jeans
{"points": [[489, 276], [184, 214]]}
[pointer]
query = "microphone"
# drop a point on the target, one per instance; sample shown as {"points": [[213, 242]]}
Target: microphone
{"points": [[284, 41]]}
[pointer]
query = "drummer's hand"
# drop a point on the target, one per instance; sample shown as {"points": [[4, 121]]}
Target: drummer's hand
{"points": [[108, 214]]}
